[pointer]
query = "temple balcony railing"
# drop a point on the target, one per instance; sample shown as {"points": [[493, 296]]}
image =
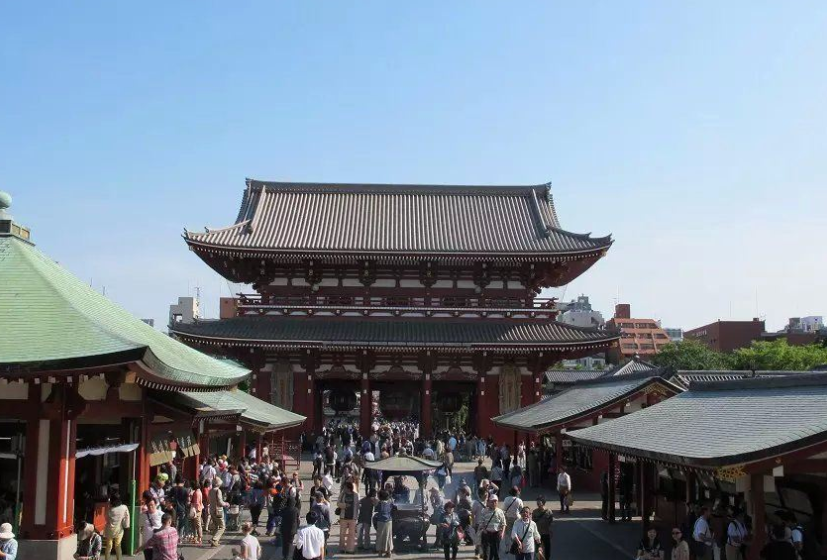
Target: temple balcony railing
{"points": [[396, 306]]}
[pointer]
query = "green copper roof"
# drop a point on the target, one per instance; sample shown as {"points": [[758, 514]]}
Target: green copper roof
{"points": [[50, 320], [256, 412]]}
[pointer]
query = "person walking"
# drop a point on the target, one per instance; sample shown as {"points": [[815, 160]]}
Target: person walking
{"points": [[512, 506], [164, 542], [384, 524], [365, 519], [492, 528], [680, 548], [250, 547], [8, 544], [217, 505], [477, 509], [196, 511], [310, 540], [150, 522], [449, 526], [564, 490], [347, 507], [525, 535], [117, 520], [544, 518], [290, 516]]}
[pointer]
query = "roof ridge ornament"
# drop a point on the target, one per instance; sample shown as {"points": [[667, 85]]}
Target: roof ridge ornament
{"points": [[8, 227]]}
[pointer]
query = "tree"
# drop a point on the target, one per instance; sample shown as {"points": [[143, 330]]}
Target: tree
{"points": [[778, 355], [692, 355]]}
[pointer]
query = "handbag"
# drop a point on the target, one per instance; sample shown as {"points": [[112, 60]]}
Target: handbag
{"points": [[515, 549]]}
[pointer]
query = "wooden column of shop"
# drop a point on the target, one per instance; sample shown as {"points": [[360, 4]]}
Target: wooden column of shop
{"points": [[51, 437], [759, 522], [612, 490]]}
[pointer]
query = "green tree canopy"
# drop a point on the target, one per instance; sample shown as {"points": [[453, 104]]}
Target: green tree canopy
{"points": [[691, 354], [778, 355]]}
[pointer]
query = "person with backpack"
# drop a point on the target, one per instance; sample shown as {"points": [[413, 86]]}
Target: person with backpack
{"points": [[779, 548], [737, 537]]}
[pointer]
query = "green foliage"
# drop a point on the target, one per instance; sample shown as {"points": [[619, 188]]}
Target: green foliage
{"points": [[778, 355], [691, 354], [761, 355]]}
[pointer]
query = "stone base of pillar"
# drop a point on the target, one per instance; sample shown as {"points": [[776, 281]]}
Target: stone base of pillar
{"points": [[63, 549]]}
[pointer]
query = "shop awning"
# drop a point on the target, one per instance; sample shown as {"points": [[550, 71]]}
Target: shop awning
{"points": [[103, 450], [580, 401], [254, 412]]}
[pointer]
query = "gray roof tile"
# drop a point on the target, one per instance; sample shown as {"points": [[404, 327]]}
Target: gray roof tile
{"points": [[579, 400], [430, 219], [328, 331], [722, 423]]}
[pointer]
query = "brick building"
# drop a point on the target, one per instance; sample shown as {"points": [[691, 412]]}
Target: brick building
{"points": [[638, 337], [726, 336]]}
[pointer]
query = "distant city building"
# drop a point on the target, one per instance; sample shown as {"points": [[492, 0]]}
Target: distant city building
{"points": [[582, 303], [150, 322], [726, 336], [588, 363], [579, 313], [639, 337], [800, 331], [186, 311], [674, 334]]}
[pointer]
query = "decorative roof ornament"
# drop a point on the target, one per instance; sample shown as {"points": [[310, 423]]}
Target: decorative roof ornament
{"points": [[7, 223]]}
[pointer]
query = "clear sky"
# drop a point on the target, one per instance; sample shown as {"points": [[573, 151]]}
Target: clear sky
{"points": [[694, 132]]}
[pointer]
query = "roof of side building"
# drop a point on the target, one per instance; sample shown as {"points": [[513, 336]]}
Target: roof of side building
{"points": [[51, 320], [722, 423]]}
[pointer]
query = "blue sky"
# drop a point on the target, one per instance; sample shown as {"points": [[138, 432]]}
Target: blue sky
{"points": [[696, 134]]}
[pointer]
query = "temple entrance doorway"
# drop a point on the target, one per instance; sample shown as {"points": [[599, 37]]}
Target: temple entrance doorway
{"points": [[336, 402], [453, 406], [397, 401]]}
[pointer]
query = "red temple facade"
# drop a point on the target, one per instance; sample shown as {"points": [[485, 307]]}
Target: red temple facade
{"points": [[421, 298]]}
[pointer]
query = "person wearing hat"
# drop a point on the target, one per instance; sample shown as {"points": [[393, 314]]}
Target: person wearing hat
{"points": [[492, 527], [448, 526], [90, 543], [8, 545]]}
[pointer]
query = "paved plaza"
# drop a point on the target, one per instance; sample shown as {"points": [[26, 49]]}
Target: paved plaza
{"points": [[579, 536]]}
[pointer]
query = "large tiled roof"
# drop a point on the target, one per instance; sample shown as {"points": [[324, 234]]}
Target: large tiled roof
{"points": [[722, 423], [577, 401], [403, 219], [687, 377], [391, 332], [51, 320], [254, 411]]}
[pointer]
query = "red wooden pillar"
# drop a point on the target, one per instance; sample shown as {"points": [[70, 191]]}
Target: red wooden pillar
{"points": [[259, 446], [482, 409], [526, 390], [51, 433], [425, 407], [612, 486], [242, 443], [759, 521], [366, 407], [558, 450]]}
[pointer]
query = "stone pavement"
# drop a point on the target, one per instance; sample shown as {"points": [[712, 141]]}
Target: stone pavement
{"points": [[582, 535]]}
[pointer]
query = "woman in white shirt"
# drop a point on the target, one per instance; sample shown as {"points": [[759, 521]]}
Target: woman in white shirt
{"points": [[250, 547]]}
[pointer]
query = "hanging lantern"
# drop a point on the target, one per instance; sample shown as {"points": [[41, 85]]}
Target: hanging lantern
{"points": [[396, 405], [449, 402], [342, 400]]}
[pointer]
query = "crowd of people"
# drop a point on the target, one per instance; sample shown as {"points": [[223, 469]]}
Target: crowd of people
{"points": [[484, 509]]}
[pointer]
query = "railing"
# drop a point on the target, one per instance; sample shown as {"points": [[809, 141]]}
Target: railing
{"points": [[265, 304]]}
